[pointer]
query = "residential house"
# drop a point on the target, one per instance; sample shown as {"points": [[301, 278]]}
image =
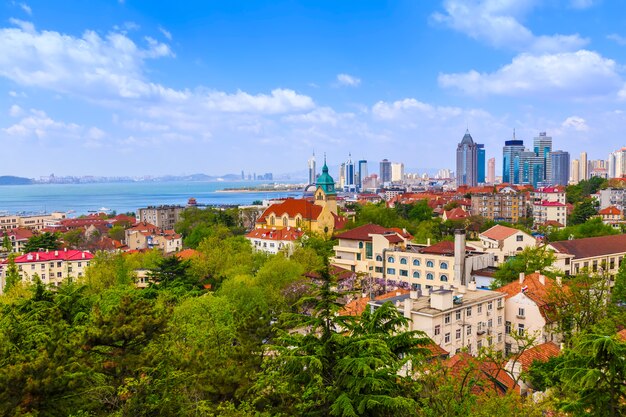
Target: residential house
{"points": [[597, 254], [612, 216], [519, 366], [52, 267], [164, 217], [274, 240], [148, 236], [528, 310], [455, 214], [18, 238], [505, 242]]}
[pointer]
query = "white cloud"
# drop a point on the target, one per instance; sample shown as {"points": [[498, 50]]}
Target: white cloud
{"points": [[577, 123], [564, 75], [619, 39], [165, 33], [15, 111], [582, 4], [26, 8], [496, 22], [37, 124], [319, 116], [348, 80]]}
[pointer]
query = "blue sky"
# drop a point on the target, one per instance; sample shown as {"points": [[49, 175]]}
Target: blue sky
{"points": [[146, 87]]}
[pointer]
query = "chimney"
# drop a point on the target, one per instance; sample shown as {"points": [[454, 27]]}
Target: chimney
{"points": [[83, 254], [37, 256], [441, 300], [462, 289], [521, 277], [542, 279], [56, 253], [471, 286], [65, 249], [428, 242], [459, 256], [408, 307]]}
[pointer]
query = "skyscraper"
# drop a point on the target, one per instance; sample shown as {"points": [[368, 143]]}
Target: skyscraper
{"points": [[542, 145], [349, 183], [583, 167], [362, 173], [491, 171], [511, 160], [311, 166], [466, 161], [480, 163], [397, 172], [559, 162], [575, 172], [385, 171]]}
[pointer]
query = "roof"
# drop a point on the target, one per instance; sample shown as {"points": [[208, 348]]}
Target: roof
{"points": [[326, 181], [358, 306], [456, 213], [610, 211], [187, 254], [292, 207], [533, 289], [363, 232], [541, 353], [621, 335], [467, 139], [18, 233], [489, 376], [550, 190], [287, 233], [57, 255], [545, 203], [499, 232], [445, 247], [592, 246]]}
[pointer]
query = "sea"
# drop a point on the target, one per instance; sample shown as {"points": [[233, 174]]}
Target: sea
{"points": [[126, 197]]}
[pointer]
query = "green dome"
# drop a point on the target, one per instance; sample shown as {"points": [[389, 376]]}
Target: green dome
{"points": [[326, 181]]}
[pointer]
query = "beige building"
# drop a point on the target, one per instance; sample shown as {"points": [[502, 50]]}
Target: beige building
{"points": [[148, 236], [462, 318], [505, 205], [548, 205], [597, 254], [504, 242], [388, 254], [164, 217], [32, 222], [52, 267], [273, 241], [528, 311]]}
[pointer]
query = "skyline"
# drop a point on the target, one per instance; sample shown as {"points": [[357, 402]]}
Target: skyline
{"points": [[136, 88]]}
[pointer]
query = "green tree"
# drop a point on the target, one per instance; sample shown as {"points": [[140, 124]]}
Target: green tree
{"points": [[531, 259], [43, 241], [12, 274], [74, 238], [117, 233], [591, 228], [582, 212], [107, 270], [6, 243], [172, 272]]}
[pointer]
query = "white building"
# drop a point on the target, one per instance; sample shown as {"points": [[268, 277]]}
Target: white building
{"points": [[504, 242], [273, 241]]}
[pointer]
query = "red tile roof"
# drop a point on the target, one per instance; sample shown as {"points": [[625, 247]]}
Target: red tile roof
{"points": [[545, 203], [592, 246], [287, 234], [610, 211], [487, 374], [499, 232], [293, 207], [17, 233], [533, 289], [540, 353], [187, 254], [444, 247], [363, 232], [60, 255], [550, 190], [456, 213]]}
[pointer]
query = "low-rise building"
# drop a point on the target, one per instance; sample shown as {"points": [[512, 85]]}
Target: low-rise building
{"points": [[35, 222], [274, 240], [548, 212], [612, 216], [164, 217], [528, 310], [507, 205], [518, 367], [456, 319], [505, 242], [596, 254], [613, 197], [52, 267], [148, 236], [18, 238]]}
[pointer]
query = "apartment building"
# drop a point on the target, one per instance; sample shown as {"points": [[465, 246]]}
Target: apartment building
{"points": [[505, 205], [274, 240], [456, 319], [163, 217], [148, 236], [33, 222], [52, 267], [596, 254]]}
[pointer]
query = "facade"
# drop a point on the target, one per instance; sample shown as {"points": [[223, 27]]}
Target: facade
{"points": [[397, 172], [560, 165], [617, 164], [163, 217], [18, 238], [52, 267], [511, 161], [575, 172], [480, 163], [148, 236], [548, 205], [273, 241], [455, 319], [491, 171], [504, 242], [596, 254], [349, 173], [542, 147], [584, 168], [362, 173], [528, 310], [612, 216], [385, 171], [467, 162], [505, 205], [613, 197], [311, 169], [32, 222]]}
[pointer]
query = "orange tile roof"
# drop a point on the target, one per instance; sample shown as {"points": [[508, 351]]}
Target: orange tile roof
{"points": [[499, 232], [540, 353], [610, 211], [187, 254], [358, 306], [456, 213], [490, 375], [286, 233], [533, 289], [293, 207]]}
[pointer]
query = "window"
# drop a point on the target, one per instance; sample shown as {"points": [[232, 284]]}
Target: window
{"points": [[458, 334], [499, 320], [51, 264], [43, 276], [360, 245], [446, 319], [499, 337], [390, 259], [490, 305], [507, 327], [500, 303], [43, 266], [58, 264], [59, 275], [368, 250], [403, 261], [447, 338], [520, 312], [443, 265], [285, 221], [479, 344], [358, 256], [430, 264], [80, 264], [520, 329], [437, 330], [480, 308], [490, 323], [391, 271], [519, 238], [404, 273], [458, 315], [416, 262], [443, 278], [379, 258], [272, 220], [378, 269], [416, 274], [468, 330], [430, 276]]}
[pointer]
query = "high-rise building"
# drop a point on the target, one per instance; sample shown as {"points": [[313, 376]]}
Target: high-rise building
{"points": [[583, 167], [397, 172], [559, 161], [480, 163], [575, 172], [385, 171], [467, 161], [491, 171], [361, 173], [542, 146], [349, 183], [312, 172], [511, 160], [342, 175], [617, 164]]}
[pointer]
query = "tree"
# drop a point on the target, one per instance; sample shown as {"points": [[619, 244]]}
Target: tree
{"points": [[43, 241], [12, 274], [531, 259], [582, 212], [107, 270], [6, 243], [172, 272], [591, 228], [117, 233], [593, 374], [74, 238]]}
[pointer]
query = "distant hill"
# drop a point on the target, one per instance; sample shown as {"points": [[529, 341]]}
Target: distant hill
{"points": [[11, 180]]}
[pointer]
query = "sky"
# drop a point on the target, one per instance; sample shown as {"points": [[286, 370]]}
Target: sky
{"points": [[128, 87]]}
